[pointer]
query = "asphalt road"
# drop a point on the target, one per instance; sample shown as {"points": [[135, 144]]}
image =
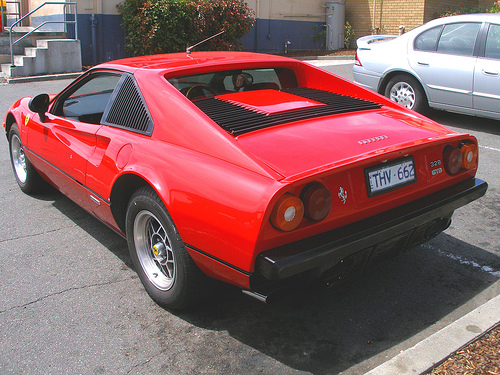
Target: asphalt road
{"points": [[71, 303]]}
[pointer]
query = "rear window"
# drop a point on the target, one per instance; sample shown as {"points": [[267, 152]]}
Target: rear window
{"points": [[215, 83]]}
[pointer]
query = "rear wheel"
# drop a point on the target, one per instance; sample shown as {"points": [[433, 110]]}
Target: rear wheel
{"points": [[27, 177], [407, 91], [165, 268]]}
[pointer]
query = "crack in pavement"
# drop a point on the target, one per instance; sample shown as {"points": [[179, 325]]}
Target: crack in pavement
{"points": [[64, 291], [145, 362], [37, 234]]}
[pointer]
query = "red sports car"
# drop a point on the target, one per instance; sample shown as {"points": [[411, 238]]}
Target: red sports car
{"points": [[260, 171]]}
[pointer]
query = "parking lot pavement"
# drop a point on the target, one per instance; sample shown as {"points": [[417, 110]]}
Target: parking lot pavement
{"points": [[71, 303]]}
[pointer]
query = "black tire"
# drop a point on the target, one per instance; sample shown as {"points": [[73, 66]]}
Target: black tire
{"points": [[27, 177], [165, 268], [407, 91]]}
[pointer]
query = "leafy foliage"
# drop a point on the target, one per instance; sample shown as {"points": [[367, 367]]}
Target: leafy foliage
{"points": [[470, 10], [161, 26], [348, 34], [234, 17], [319, 36]]}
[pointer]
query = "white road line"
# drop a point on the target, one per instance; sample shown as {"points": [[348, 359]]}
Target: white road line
{"points": [[329, 62], [470, 263], [490, 148]]}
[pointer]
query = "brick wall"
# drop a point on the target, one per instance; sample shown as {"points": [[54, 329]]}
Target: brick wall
{"points": [[432, 8], [390, 14]]}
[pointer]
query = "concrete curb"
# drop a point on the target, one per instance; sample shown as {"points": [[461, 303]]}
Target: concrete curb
{"points": [[52, 77], [427, 353], [338, 57], [48, 77]]}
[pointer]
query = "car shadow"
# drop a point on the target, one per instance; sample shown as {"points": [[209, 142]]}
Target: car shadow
{"points": [[467, 123], [327, 331], [91, 225]]}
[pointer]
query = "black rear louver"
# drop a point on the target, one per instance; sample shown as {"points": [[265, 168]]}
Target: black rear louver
{"points": [[238, 120], [129, 110]]}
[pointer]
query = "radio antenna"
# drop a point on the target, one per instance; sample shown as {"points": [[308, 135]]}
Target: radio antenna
{"points": [[188, 50]]}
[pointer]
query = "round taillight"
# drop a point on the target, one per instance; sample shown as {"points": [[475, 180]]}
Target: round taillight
{"points": [[287, 213], [469, 155], [452, 160], [317, 201]]}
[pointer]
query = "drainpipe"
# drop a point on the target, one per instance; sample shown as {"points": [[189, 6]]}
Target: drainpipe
{"points": [[93, 26], [256, 26], [374, 10]]}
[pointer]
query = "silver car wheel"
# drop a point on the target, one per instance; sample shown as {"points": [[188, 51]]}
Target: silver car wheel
{"points": [[18, 159], [403, 94], [154, 250]]}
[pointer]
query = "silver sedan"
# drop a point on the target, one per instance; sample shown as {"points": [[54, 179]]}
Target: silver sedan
{"points": [[450, 63]]}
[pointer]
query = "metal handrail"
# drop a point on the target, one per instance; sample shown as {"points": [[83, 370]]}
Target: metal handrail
{"points": [[64, 4]]}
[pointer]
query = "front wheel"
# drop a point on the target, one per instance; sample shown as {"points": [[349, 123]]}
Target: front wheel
{"points": [[165, 268], [408, 92], [27, 177]]}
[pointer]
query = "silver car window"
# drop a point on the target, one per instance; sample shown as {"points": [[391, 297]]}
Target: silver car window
{"points": [[459, 38], [492, 50], [428, 39]]}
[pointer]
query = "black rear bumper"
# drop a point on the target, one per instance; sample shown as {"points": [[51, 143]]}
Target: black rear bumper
{"points": [[390, 232]]}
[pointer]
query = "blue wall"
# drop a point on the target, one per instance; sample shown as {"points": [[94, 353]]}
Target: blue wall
{"points": [[265, 36], [110, 38], [271, 35]]}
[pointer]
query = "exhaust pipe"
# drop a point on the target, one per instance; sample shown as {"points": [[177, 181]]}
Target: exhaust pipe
{"points": [[266, 297], [259, 296]]}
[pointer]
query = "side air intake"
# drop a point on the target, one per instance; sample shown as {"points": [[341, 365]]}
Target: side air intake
{"points": [[129, 110]]}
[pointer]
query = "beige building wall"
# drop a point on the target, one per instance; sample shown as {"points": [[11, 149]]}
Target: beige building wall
{"points": [[46, 10], [294, 10], [83, 6]]}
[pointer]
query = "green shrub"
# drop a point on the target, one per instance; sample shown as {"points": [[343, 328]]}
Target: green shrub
{"points": [[470, 10], [234, 17], [319, 36], [162, 26], [348, 34]]}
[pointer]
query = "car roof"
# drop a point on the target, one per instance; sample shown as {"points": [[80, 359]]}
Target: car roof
{"points": [[180, 61]]}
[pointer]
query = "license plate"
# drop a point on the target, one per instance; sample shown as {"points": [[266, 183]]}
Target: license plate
{"points": [[390, 176]]}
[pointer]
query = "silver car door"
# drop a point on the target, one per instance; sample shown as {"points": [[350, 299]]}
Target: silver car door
{"points": [[487, 74], [447, 72]]}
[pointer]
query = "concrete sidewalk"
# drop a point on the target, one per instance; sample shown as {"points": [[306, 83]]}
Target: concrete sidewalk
{"points": [[434, 349]]}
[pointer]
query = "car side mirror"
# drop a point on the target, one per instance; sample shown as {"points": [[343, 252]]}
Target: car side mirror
{"points": [[40, 105]]}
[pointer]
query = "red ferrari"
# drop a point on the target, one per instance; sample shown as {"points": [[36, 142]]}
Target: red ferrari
{"points": [[256, 170]]}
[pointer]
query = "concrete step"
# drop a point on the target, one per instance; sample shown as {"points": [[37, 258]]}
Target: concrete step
{"points": [[4, 58], [29, 41], [50, 56]]}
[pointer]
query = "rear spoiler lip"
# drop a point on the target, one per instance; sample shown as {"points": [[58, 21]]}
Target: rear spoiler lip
{"points": [[364, 42]]}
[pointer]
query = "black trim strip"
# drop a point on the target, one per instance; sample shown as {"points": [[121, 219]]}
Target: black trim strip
{"points": [[248, 274], [67, 175]]}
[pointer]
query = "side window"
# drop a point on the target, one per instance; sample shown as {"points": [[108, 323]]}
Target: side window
{"points": [[427, 41], [88, 100], [458, 39], [492, 50]]}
